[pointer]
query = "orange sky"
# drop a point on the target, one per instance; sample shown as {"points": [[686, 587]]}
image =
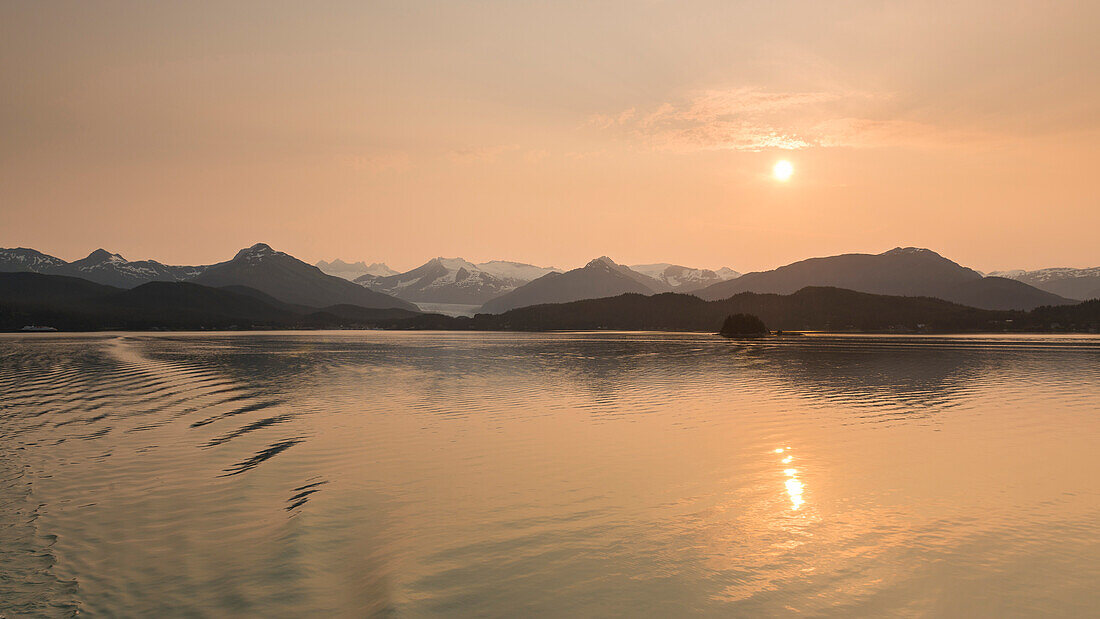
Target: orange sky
{"points": [[552, 132]]}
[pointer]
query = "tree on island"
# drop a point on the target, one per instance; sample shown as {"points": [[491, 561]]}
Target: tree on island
{"points": [[743, 324]]}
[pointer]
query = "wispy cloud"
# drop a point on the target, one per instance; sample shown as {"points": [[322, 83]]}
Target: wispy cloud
{"points": [[482, 154], [750, 119], [378, 163]]}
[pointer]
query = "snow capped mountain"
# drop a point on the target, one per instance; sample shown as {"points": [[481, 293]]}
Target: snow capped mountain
{"points": [[605, 263], [1013, 274], [727, 273], [1049, 275], [440, 280], [350, 271], [1082, 284], [104, 267], [517, 271], [101, 266], [681, 278], [22, 259], [454, 281], [257, 253]]}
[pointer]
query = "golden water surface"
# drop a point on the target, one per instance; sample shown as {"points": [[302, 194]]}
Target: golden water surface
{"points": [[565, 474]]}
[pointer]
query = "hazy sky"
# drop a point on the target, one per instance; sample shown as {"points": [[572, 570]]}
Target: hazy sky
{"points": [[552, 132]]}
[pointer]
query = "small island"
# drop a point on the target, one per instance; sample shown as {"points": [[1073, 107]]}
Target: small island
{"points": [[743, 325]]}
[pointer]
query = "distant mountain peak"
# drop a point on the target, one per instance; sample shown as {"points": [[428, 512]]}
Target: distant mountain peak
{"points": [[909, 250], [727, 273], [1063, 281], [602, 260], [902, 271], [354, 270], [454, 264], [601, 277], [102, 255], [256, 252], [683, 279]]}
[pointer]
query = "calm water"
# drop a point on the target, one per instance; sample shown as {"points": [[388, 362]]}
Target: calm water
{"points": [[424, 474]]}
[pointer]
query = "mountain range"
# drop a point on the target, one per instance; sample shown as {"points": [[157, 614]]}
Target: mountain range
{"points": [[684, 279], [454, 280], [259, 267], [1070, 283], [811, 308], [352, 270], [499, 286], [601, 277], [73, 304], [904, 271], [100, 266], [292, 281]]}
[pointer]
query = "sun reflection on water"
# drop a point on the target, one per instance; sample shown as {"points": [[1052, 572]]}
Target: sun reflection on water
{"points": [[794, 485]]}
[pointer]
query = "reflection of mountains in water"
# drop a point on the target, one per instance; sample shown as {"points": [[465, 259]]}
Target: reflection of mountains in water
{"points": [[907, 376], [900, 375]]}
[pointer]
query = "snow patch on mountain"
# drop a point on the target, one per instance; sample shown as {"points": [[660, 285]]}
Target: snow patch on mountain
{"points": [[1068, 282], [1046, 275], [681, 278], [453, 281], [24, 259], [518, 271]]}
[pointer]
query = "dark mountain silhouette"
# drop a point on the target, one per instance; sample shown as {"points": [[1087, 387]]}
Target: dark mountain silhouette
{"points": [[277, 274], [599, 278], [902, 271], [1084, 316], [1001, 293], [504, 285], [812, 309], [176, 303], [26, 289], [292, 281], [70, 303], [1067, 282]]}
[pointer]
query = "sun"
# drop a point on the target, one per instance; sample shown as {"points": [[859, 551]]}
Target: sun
{"points": [[782, 170]]}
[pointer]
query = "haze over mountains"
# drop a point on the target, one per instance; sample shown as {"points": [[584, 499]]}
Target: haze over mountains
{"points": [[455, 281], [601, 277], [259, 267], [684, 279], [296, 289], [352, 270], [811, 308]]}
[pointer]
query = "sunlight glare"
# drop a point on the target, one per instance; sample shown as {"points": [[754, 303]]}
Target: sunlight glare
{"points": [[783, 170]]}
